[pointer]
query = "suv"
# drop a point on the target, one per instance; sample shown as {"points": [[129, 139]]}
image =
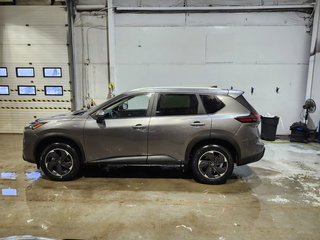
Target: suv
{"points": [[205, 130]]}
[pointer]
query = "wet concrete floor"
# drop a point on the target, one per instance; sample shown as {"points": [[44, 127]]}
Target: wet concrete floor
{"points": [[275, 198]]}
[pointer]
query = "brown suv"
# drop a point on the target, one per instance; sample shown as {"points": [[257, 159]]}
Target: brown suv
{"points": [[206, 130]]}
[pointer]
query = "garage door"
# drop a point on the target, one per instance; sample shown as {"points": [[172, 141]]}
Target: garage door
{"points": [[34, 71]]}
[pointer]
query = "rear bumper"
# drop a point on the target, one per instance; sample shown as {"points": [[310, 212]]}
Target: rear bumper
{"points": [[254, 158]]}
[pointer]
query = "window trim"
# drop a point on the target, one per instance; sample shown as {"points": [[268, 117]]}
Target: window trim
{"points": [[200, 110], [43, 72], [8, 90], [6, 71], [34, 86], [46, 94], [17, 68]]}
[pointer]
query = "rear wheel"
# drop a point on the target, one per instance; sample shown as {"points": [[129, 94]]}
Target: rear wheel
{"points": [[212, 164], [60, 162]]}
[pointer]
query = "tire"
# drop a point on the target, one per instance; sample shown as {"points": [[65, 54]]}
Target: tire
{"points": [[212, 164], [60, 162]]}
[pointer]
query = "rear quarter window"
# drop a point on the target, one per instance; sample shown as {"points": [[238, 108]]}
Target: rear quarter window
{"points": [[211, 103], [245, 103]]}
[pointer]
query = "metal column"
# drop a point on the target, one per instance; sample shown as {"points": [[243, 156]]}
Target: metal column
{"points": [[313, 82], [111, 49]]}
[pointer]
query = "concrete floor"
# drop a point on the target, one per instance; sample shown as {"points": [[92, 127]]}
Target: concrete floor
{"points": [[275, 198]]}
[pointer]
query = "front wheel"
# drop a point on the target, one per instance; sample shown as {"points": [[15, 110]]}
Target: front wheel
{"points": [[212, 164], [60, 162]]}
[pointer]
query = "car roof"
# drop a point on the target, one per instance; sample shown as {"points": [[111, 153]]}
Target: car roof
{"points": [[189, 90]]}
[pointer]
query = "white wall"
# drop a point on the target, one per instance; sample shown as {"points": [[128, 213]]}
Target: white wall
{"points": [[242, 50], [91, 57]]}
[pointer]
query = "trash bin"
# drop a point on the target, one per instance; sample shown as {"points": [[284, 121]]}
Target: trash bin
{"points": [[269, 127]]}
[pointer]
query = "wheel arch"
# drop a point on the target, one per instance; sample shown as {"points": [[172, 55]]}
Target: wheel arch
{"points": [[58, 139], [232, 146]]}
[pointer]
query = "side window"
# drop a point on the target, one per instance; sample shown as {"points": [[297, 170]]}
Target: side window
{"points": [[211, 103], [133, 106], [177, 104]]}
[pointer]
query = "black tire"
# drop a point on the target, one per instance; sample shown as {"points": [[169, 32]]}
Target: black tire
{"points": [[60, 162], [212, 164]]}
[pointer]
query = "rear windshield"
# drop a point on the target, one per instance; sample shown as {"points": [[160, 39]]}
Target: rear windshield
{"points": [[211, 103], [245, 103]]}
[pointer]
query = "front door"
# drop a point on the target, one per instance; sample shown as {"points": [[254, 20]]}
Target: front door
{"points": [[122, 136]]}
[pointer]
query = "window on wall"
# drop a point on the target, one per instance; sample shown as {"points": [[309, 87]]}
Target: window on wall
{"points": [[27, 90], [25, 71], [3, 72], [52, 72], [4, 90], [53, 90]]}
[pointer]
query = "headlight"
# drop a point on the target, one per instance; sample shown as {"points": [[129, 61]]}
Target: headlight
{"points": [[35, 125]]}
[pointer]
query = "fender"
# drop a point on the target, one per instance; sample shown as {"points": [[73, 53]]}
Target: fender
{"points": [[49, 136]]}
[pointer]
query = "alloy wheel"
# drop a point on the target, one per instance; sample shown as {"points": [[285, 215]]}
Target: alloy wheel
{"points": [[213, 164], [59, 162]]}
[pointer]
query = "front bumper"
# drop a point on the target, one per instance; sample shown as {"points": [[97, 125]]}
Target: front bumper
{"points": [[29, 140]]}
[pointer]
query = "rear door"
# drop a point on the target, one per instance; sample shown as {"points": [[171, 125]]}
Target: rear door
{"points": [[176, 120]]}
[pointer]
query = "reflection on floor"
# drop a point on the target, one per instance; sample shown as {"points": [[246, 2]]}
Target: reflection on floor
{"points": [[275, 198]]}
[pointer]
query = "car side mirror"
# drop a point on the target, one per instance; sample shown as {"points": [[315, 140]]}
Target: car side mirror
{"points": [[100, 116], [125, 106]]}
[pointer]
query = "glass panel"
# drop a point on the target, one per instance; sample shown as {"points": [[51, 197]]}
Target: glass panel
{"points": [[3, 72], [53, 90], [136, 106], [211, 103], [26, 90], [4, 90], [9, 192], [52, 72], [177, 104], [25, 72]]}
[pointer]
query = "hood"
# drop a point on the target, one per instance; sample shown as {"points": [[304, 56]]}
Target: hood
{"points": [[66, 116]]}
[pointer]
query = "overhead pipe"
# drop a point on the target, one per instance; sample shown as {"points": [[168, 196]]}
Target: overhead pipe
{"points": [[71, 57], [196, 9], [214, 9], [90, 7]]}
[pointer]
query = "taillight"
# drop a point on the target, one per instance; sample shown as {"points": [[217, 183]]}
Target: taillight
{"points": [[254, 117]]}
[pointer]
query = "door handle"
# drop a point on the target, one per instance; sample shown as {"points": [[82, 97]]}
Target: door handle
{"points": [[138, 126], [197, 124]]}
